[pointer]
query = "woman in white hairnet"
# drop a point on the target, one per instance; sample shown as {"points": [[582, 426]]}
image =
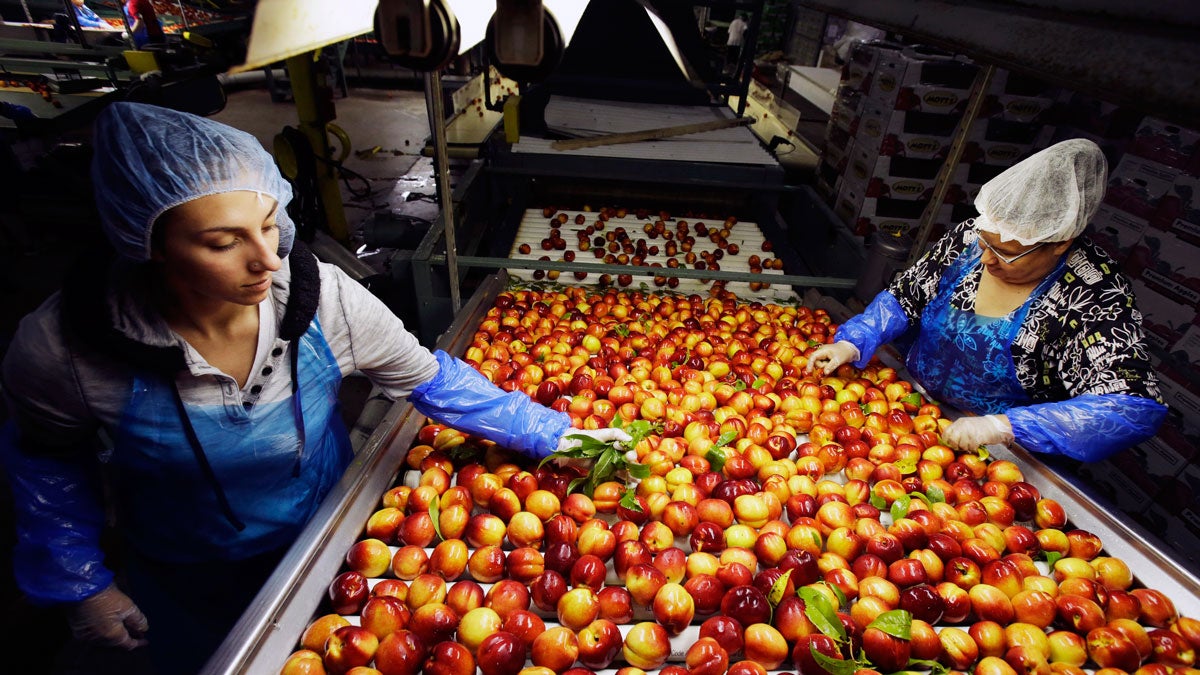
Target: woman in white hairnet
{"points": [[207, 354], [1021, 319]]}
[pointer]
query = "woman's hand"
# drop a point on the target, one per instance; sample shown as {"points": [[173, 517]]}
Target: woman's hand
{"points": [[829, 357], [109, 618], [968, 433]]}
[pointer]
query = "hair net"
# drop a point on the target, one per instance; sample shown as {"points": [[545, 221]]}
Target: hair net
{"points": [[149, 159], [1049, 196]]}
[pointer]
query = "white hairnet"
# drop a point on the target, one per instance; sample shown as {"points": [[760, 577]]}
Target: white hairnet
{"points": [[149, 159], [1049, 196]]}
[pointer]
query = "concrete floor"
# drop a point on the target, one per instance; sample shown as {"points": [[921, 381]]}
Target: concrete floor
{"points": [[35, 255]]}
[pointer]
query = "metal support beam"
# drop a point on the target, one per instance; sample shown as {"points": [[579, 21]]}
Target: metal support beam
{"points": [[1147, 60], [314, 105], [437, 124]]}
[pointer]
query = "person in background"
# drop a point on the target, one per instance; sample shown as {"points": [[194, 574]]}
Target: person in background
{"points": [[197, 368], [144, 26], [86, 17], [735, 39], [1021, 319], [855, 33]]}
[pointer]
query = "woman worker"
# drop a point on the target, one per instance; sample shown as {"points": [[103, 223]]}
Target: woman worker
{"points": [[1021, 319], [207, 356]]}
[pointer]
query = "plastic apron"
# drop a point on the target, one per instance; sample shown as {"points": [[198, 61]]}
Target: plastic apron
{"points": [[965, 359], [272, 474]]}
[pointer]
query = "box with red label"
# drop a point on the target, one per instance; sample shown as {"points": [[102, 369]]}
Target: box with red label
{"points": [[848, 204], [1121, 481], [908, 134], [1181, 392], [1116, 232], [1035, 109], [1163, 255], [1177, 525], [1181, 203], [1137, 185], [932, 98], [895, 177], [1164, 316], [1004, 82], [1165, 143], [1167, 453], [1105, 120], [862, 61]]}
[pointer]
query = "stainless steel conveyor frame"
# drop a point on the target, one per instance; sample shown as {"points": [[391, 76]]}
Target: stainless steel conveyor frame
{"points": [[271, 627]]}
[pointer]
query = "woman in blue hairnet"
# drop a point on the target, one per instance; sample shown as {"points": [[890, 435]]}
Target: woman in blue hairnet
{"points": [[1021, 319], [207, 355]]}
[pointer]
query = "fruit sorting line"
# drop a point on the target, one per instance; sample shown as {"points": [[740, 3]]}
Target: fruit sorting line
{"points": [[584, 236], [297, 593]]}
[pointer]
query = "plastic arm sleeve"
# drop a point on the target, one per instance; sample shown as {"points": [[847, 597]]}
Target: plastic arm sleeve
{"points": [[59, 517], [463, 398], [882, 321], [1088, 427]]}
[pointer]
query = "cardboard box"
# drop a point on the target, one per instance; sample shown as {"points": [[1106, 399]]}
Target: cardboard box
{"points": [[1182, 202], [933, 98], [1166, 454], [1006, 82], [1182, 395], [1116, 231], [1176, 530], [1019, 108], [1137, 185], [1165, 143], [1112, 480], [1162, 255], [1162, 315], [893, 177], [848, 205]]}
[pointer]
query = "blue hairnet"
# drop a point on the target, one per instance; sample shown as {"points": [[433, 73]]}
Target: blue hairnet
{"points": [[149, 159]]}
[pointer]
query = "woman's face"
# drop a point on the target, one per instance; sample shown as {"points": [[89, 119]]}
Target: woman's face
{"points": [[221, 247], [1028, 269]]}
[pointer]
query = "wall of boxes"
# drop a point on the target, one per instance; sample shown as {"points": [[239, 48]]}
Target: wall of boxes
{"points": [[887, 139]]}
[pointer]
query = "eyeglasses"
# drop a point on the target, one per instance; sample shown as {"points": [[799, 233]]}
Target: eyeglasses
{"points": [[1008, 260]]}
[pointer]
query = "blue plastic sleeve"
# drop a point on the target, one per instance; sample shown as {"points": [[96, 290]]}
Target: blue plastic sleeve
{"points": [[882, 321], [1089, 427], [59, 517], [463, 398]]}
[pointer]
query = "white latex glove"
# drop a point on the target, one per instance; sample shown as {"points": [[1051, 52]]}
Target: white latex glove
{"points": [[603, 435], [109, 618], [968, 433], [829, 357]]}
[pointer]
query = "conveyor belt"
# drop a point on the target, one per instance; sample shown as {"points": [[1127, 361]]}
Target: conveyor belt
{"points": [[534, 227]]}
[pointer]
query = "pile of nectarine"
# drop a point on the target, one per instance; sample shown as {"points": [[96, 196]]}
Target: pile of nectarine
{"points": [[789, 521]]}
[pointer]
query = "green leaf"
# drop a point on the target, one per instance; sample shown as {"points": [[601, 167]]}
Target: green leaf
{"points": [[815, 343], [831, 665], [983, 453], [435, 510], [739, 385], [842, 599], [716, 457], [877, 501], [912, 399], [604, 467], [1052, 557], [936, 494], [588, 446], [920, 495], [638, 471], [934, 667], [622, 330], [778, 588], [629, 501], [906, 466], [576, 483], [897, 623], [758, 383], [821, 614], [900, 507], [725, 439]]}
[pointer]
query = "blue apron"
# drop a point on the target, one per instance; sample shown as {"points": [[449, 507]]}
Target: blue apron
{"points": [[227, 483], [965, 359]]}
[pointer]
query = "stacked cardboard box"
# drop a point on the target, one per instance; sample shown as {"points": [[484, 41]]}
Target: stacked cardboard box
{"points": [[1016, 118], [889, 134], [1150, 224]]}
